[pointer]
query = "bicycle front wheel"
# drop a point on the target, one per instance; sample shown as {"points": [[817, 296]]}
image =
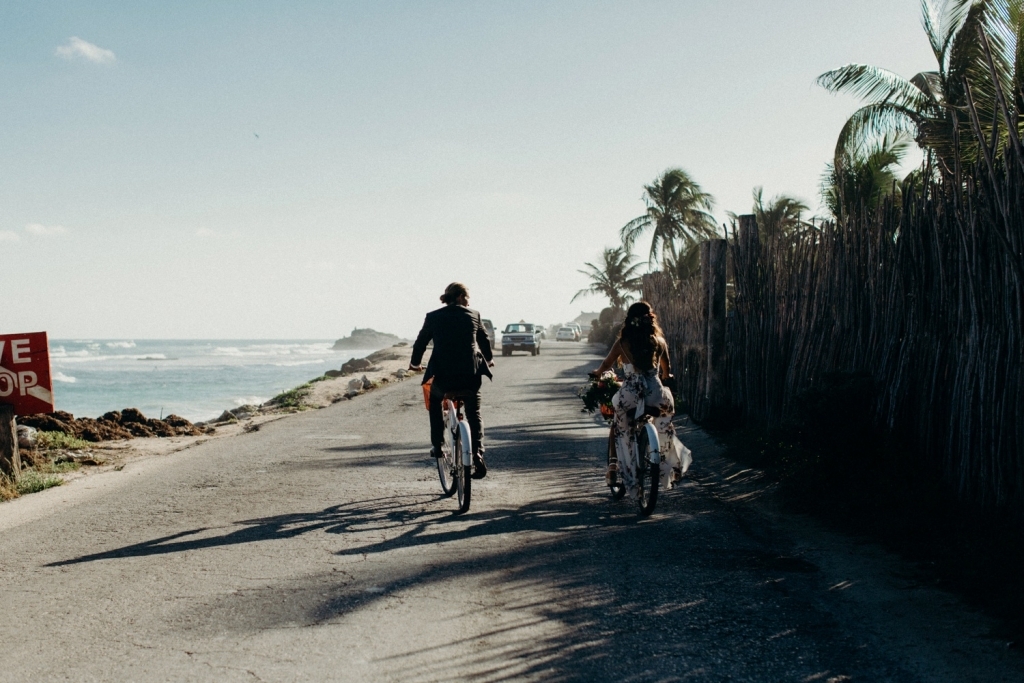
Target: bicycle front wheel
{"points": [[616, 486], [647, 474], [446, 469], [463, 478]]}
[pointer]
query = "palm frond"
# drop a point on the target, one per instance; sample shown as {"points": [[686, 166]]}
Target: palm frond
{"points": [[631, 231], [875, 85], [874, 121]]}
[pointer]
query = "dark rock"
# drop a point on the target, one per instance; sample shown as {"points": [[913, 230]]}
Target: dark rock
{"points": [[334, 373], [183, 427], [247, 408], [132, 415], [101, 430], [49, 422], [355, 365], [27, 437], [161, 428], [126, 424], [367, 339], [383, 355], [31, 458], [139, 429]]}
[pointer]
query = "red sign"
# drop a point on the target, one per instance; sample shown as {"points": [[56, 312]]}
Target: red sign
{"points": [[25, 373]]}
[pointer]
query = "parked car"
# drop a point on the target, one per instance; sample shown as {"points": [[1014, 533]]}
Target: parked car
{"points": [[489, 329], [520, 337], [578, 330], [566, 334]]}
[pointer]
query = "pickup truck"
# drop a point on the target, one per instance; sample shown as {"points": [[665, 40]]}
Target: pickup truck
{"points": [[520, 337]]}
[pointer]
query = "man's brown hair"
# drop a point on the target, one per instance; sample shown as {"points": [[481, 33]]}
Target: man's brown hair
{"points": [[453, 291]]}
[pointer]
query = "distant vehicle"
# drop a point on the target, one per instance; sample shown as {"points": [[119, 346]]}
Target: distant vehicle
{"points": [[489, 329], [541, 332], [566, 334], [579, 330], [520, 337]]}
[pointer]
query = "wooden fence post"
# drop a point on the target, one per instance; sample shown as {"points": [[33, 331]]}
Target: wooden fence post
{"points": [[10, 458], [713, 257]]}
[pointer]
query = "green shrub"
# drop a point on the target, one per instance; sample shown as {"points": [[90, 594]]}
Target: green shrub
{"points": [[52, 441], [51, 467], [32, 482], [293, 397]]}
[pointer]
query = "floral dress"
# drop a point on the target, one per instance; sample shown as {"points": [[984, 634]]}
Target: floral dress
{"points": [[675, 457]]}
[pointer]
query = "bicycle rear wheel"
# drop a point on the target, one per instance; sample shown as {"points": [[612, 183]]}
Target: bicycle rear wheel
{"points": [[463, 480], [617, 488], [647, 474], [446, 469]]}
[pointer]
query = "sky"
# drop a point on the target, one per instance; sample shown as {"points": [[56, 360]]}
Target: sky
{"points": [[258, 170]]}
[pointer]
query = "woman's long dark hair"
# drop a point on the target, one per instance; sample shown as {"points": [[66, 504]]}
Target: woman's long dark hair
{"points": [[640, 333]]}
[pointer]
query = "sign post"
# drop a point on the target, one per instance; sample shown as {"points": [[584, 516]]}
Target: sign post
{"points": [[25, 389]]}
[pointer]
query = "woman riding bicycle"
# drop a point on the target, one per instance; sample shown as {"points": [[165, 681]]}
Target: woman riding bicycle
{"points": [[642, 349]]}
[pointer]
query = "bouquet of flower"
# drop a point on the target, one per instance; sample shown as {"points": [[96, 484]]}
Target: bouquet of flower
{"points": [[597, 395]]}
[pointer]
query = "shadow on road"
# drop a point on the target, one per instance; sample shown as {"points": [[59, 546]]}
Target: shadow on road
{"points": [[577, 586], [587, 590]]}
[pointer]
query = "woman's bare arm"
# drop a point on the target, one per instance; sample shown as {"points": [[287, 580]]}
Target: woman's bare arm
{"points": [[610, 360], [666, 367]]}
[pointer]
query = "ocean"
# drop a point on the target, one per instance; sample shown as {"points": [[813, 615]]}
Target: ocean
{"points": [[197, 378]]}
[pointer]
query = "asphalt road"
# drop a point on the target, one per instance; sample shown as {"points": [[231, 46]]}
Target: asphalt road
{"points": [[319, 548]]}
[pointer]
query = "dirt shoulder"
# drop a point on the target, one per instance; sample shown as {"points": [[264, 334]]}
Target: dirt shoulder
{"points": [[381, 368]]}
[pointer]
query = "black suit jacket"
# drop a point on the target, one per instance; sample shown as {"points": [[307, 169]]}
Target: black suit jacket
{"points": [[461, 347]]}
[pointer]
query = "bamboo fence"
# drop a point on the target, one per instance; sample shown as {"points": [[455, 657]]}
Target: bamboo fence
{"points": [[924, 295]]}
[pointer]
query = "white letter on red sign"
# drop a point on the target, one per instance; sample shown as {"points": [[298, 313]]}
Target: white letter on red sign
{"points": [[7, 383], [17, 352], [27, 379]]}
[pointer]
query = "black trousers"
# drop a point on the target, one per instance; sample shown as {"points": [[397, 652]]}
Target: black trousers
{"points": [[467, 389]]}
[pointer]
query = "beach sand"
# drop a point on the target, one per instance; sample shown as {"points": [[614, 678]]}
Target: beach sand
{"points": [[385, 367]]}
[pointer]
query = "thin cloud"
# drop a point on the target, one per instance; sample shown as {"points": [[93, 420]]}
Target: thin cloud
{"points": [[8, 236], [40, 229], [78, 48]]}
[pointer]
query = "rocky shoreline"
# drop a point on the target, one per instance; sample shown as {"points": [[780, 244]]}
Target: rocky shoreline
{"points": [[125, 424], [87, 445], [366, 374]]}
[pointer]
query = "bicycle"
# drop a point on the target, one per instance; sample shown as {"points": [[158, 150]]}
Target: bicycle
{"points": [[644, 448], [455, 466]]}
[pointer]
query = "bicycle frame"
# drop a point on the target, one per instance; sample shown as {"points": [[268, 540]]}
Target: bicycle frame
{"points": [[455, 420], [652, 435]]}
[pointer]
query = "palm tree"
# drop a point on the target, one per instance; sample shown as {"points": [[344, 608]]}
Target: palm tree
{"points": [[782, 216], [933, 105], [681, 264], [617, 278], [677, 210], [860, 178]]}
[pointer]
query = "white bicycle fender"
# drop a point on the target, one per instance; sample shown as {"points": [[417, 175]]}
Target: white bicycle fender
{"points": [[467, 445], [652, 439]]}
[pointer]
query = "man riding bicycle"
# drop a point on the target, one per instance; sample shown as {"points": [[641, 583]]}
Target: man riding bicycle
{"points": [[460, 359]]}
